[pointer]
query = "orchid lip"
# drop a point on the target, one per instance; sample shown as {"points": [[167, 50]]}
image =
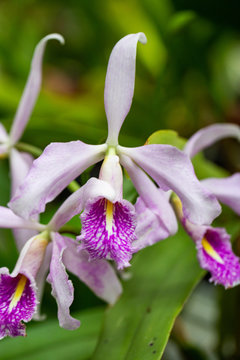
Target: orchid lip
{"points": [[211, 251], [18, 292]]}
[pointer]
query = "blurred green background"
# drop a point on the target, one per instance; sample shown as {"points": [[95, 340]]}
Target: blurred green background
{"points": [[187, 77]]}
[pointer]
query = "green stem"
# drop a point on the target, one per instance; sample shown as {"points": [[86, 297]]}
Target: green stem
{"points": [[35, 151], [73, 186]]}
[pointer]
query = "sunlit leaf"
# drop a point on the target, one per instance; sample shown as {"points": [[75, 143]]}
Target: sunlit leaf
{"points": [[169, 137]]}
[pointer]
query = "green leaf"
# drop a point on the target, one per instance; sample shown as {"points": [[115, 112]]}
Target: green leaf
{"points": [[168, 137], [4, 182], [49, 342], [138, 326], [205, 168]]}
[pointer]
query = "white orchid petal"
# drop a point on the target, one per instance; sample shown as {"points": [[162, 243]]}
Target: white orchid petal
{"points": [[31, 89], [209, 135], [119, 84]]}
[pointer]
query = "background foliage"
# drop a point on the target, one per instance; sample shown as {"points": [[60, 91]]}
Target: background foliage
{"points": [[188, 76]]}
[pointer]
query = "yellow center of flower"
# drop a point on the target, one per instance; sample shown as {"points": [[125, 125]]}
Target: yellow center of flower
{"points": [[18, 292], [210, 251], [109, 216]]}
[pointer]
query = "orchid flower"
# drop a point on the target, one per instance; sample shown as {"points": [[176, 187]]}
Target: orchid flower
{"points": [[21, 290], [108, 226], [20, 162], [213, 244]]}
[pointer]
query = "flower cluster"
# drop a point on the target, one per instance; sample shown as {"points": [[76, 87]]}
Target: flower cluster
{"points": [[112, 229]]}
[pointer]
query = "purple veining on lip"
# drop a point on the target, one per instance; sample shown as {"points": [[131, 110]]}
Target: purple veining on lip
{"points": [[227, 272], [11, 319], [95, 237]]}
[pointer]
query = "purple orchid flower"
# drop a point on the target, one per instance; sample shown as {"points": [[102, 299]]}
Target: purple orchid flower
{"points": [[20, 162], [213, 244], [109, 228], [21, 291]]}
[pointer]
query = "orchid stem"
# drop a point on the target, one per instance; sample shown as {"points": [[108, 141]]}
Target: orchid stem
{"points": [[35, 151], [73, 186]]}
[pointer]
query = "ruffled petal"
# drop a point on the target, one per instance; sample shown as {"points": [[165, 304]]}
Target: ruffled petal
{"points": [[18, 300], [215, 255], [98, 275], [108, 230], [31, 89], [76, 202], [62, 288], [209, 135], [59, 164], [156, 219], [227, 190], [17, 303], [172, 170], [119, 84], [214, 250]]}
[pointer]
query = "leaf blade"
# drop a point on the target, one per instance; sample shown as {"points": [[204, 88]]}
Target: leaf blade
{"points": [[138, 326]]}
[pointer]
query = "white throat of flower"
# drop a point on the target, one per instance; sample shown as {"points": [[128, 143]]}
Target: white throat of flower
{"points": [[111, 171]]}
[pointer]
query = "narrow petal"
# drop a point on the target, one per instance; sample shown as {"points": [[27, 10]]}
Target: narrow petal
{"points": [[159, 218], [62, 288], [227, 190], [209, 135], [11, 221], [108, 230], [31, 89], [215, 255], [76, 202], [119, 83], [173, 170], [17, 303], [59, 164], [98, 275]]}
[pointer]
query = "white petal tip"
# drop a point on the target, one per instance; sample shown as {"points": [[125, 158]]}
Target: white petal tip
{"points": [[54, 36], [142, 38]]}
